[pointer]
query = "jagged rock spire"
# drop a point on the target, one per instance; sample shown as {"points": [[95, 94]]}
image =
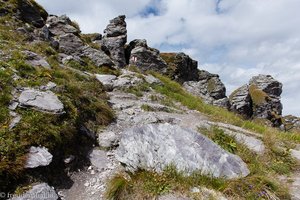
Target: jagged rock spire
{"points": [[114, 40]]}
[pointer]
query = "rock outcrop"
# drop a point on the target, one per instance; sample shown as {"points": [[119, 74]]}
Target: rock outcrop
{"points": [[37, 192], [35, 60], [156, 146], [259, 99], [181, 67], [291, 122], [240, 101], [38, 156], [29, 11], [145, 58], [209, 88], [114, 40], [265, 93], [60, 25], [65, 36], [42, 101]]}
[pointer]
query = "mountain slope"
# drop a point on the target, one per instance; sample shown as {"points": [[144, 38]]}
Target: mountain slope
{"points": [[69, 103]]}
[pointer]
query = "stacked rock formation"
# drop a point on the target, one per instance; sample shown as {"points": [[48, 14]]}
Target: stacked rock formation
{"points": [[115, 39], [259, 99]]}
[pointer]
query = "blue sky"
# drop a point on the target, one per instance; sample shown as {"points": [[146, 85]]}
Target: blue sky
{"points": [[236, 39]]}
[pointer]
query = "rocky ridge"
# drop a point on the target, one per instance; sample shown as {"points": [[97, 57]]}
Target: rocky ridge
{"points": [[146, 132]]}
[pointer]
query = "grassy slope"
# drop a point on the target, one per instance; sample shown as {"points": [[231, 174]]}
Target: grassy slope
{"points": [[84, 99], [260, 184]]}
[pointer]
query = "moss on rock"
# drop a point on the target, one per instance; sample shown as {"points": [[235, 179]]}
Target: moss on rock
{"points": [[258, 96]]}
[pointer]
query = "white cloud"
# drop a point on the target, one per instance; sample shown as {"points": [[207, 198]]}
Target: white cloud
{"points": [[234, 38]]}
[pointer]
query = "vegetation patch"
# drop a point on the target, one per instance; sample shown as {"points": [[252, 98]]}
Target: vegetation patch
{"points": [[85, 104], [258, 96], [174, 91], [211, 85]]}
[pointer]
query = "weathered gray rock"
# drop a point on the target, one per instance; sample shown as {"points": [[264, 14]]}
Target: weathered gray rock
{"points": [[144, 57], [69, 44], [295, 154], [241, 136], [38, 192], [271, 105], [210, 88], [181, 67], [16, 118], [127, 80], [38, 156], [106, 80], [114, 40], [155, 146], [291, 123], [241, 102], [152, 80], [35, 60], [60, 25], [30, 12], [49, 86], [107, 139], [42, 101], [98, 57], [99, 159], [259, 99]]}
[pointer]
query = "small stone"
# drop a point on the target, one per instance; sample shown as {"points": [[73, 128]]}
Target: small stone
{"points": [[69, 159], [99, 159], [49, 86], [38, 156], [195, 190]]}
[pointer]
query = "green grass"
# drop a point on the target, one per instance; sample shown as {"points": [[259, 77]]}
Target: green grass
{"points": [[137, 90], [85, 104], [150, 185], [174, 91], [147, 108]]}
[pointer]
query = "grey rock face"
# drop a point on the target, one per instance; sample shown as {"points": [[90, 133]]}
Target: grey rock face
{"points": [[69, 43], [38, 156], [60, 25], [181, 67], [114, 40], [38, 192], [155, 146], [241, 102], [16, 118], [152, 80], [144, 57], [36, 60], [99, 159], [273, 90], [107, 139], [267, 84], [106, 80], [259, 99], [31, 13], [98, 57], [291, 123], [42, 101], [209, 88]]}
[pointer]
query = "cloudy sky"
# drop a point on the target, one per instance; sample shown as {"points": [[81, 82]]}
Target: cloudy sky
{"points": [[233, 38]]}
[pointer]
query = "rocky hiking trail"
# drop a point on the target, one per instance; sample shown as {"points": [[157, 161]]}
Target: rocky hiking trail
{"points": [[83, 110], [90, 183]]}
